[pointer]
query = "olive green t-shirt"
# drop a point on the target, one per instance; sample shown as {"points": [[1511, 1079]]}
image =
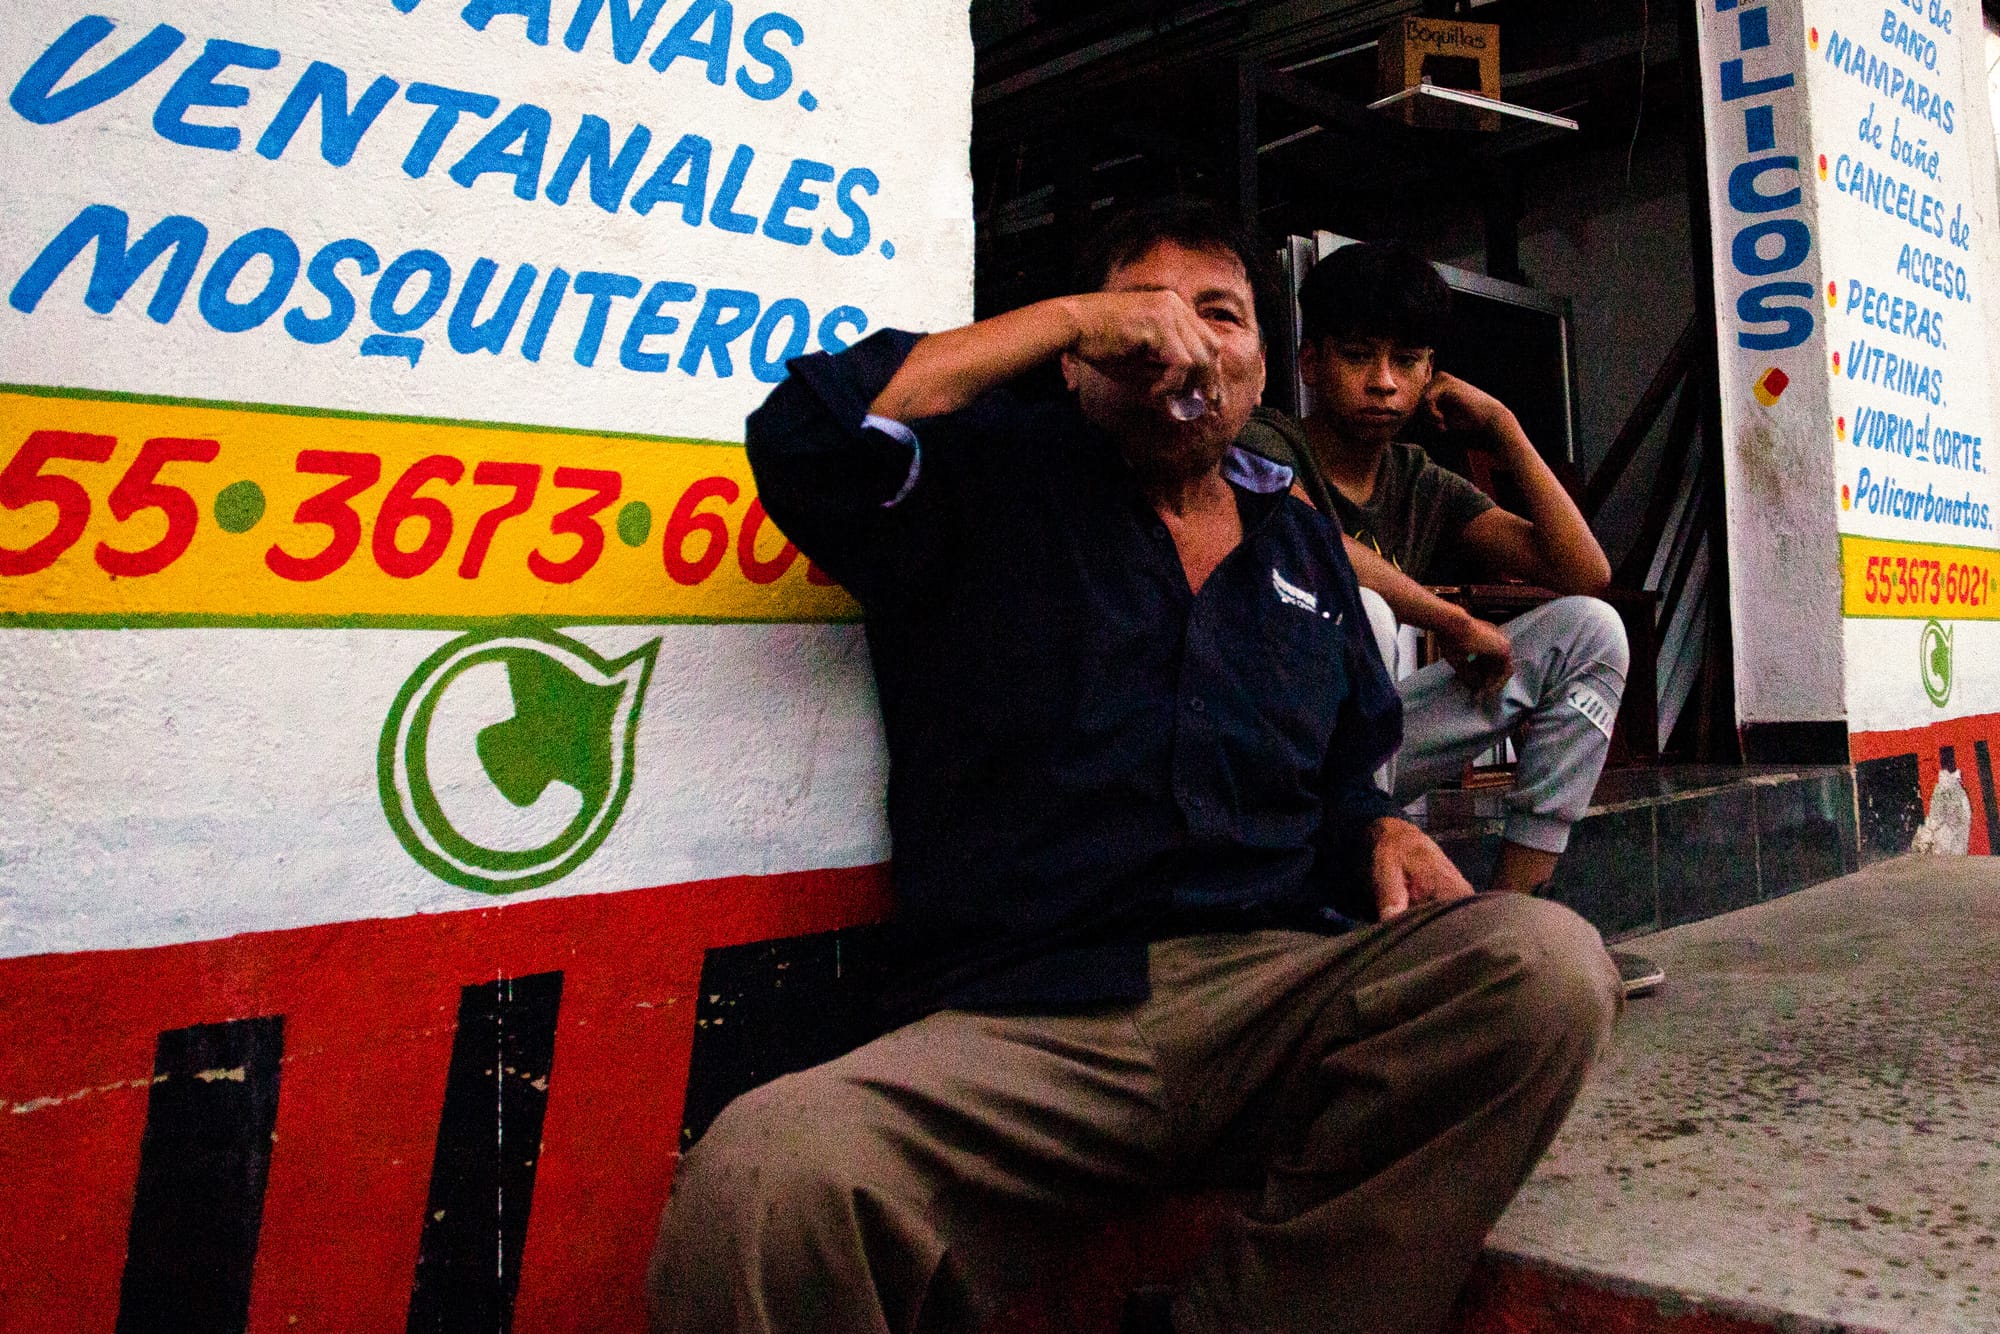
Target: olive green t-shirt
{"points": [[1418, 510]]}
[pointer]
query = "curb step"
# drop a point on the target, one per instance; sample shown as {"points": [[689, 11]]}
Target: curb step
{"points": [[1510, 1294]]}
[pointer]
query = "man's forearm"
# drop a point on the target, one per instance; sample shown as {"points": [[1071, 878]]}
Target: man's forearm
{"points": [[1572, 561], [948, 370]]}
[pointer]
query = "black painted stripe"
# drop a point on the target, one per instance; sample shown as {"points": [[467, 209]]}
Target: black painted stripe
{"points": [[203, 1163], [1891, 800], [776, 1006], [488, 1141], [1984, 759]]}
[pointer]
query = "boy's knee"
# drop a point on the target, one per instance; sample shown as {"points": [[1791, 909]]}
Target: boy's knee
{"points": [[1596, 632]]}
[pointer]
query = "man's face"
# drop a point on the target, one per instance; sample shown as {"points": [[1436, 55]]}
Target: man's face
{"points": [[1369, 387], [1216, 289]]}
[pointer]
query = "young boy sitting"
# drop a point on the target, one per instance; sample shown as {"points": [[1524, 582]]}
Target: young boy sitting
{"points": [[1372, 317]]}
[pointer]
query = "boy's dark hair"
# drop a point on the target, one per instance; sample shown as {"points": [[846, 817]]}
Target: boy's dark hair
{"points": [[1194, 223], [1375, 290]]}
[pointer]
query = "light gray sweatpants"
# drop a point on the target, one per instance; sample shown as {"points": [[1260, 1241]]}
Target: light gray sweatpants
{"points": [[1570, 658]]}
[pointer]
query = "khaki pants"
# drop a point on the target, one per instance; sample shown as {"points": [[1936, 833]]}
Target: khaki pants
{"points": [[1387, 1091]]}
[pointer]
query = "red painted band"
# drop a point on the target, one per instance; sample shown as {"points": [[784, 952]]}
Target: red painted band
{"points": [[369, 1012]]}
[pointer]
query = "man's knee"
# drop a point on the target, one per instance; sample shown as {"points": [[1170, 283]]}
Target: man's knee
{"points": [[768, 1175], [784, 1144], [1569, 988]]}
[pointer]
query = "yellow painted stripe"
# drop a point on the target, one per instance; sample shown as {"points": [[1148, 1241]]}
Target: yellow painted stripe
{"points": [[666, 520], [1919, 580]]}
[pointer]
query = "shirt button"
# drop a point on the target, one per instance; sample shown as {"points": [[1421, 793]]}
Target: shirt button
{"points": [[1160, 531], [1198, 704]]}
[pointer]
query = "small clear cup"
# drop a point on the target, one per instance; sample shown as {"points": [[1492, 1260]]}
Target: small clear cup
{"points": [[1188, 405]]}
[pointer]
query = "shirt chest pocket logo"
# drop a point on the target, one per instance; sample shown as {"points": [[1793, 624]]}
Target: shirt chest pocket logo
{"points": [[1292, 595]]}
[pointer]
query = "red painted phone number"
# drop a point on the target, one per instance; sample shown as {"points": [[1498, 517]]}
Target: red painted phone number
{"points": [[1904, 580]]}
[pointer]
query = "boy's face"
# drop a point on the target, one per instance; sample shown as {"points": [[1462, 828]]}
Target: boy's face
{"points": [[1368, 387]]}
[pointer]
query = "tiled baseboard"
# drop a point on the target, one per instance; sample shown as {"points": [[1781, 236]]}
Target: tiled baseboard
{"points": [[1667, 846]]}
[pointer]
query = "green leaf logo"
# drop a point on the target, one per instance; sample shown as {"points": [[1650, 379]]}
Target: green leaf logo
{"points": [[1934, 662], [560, 766]]}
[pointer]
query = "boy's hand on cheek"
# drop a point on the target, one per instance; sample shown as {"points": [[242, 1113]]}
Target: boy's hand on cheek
{"points": [[1454, 405]]}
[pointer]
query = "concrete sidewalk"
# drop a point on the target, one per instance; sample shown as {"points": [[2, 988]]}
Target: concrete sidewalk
{"points": [[1800, 1131]]}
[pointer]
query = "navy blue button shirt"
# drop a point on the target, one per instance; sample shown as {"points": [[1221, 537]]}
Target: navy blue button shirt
{"points": [[1084, 755]]}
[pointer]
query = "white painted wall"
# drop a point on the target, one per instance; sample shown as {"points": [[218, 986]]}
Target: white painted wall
{"points": [[891, 83], [1793, 91], [176, 785], [1865, 245], [178, 780]]}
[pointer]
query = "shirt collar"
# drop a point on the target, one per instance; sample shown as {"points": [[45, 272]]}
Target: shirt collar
{"points": [[1254, 472]]}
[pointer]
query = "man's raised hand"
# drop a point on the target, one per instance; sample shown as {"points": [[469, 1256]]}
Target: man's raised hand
{"points": [[1146, 339], [1409, 870], [1150, 340]]}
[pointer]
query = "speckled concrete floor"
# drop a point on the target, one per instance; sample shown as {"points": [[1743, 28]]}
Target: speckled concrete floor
{"points": [[1803, 1125]]}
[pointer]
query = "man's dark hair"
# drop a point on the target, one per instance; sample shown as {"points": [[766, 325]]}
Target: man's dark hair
{"points": [[1377, 290], [1193, 223]]}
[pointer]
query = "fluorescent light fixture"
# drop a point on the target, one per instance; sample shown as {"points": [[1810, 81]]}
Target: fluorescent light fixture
{"points": [[1475, 101]]}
